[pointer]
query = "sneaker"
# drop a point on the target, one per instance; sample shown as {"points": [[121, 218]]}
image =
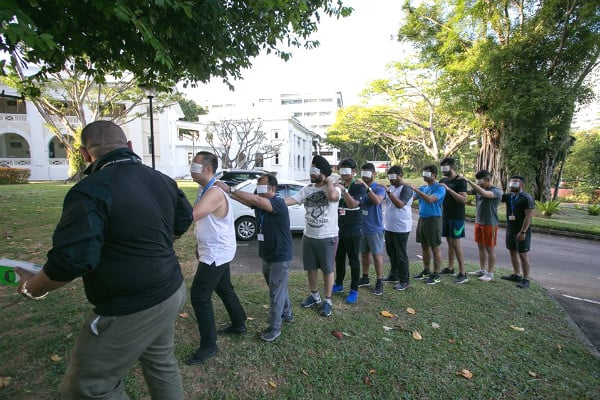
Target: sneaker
{"points": [[378, 291], [310, 301], [268, 335], [390, 278], [232, 330], [287, 318], [364, 281], [461, 278], [401, 285], [487, 277], [433, 279], [479, 272], [447, 271], [337, 288], [326, 309], [352, 297], [524, 284], [201, 355], [423, 275], [512, 278]]}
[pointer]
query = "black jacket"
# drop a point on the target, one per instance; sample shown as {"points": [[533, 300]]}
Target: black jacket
{"points": [[116, 232]]}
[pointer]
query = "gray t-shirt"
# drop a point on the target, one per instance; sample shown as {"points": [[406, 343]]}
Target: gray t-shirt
{"points": [[487, 209]]}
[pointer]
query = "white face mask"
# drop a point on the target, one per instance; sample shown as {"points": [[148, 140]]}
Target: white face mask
{"points": [[262, 189], [514, 184], [314, 171], [426, 174], [391, 177], [366, 174], [445, 168], [345, 171], [196, 168]]}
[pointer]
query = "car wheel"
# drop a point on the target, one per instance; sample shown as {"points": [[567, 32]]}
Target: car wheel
{"points": [[245, 228]]}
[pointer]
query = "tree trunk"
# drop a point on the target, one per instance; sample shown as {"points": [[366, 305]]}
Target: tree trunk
{"points": [[558, 180], [543, 179], [490, 157]]}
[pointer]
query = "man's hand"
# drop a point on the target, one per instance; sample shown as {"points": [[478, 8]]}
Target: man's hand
{"points": [[223, 186]]}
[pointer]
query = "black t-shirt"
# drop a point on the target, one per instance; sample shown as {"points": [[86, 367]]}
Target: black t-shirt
{"points": [[452, 208], [350, 219], [275, 226], [517, 205]]}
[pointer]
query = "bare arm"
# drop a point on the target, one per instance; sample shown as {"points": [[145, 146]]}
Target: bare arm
{"points": [[252, 200], [426, 198], [212, 202], [290, 201], [395, 200], [461, 197], [331, 191], [481, 191], [38, 284]]}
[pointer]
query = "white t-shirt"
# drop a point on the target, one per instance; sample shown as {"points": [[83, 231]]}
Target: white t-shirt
{"points": [[398, 219], [321, 218]]}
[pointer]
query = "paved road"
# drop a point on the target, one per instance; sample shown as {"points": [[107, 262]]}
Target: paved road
{"points": [[568, 268]]}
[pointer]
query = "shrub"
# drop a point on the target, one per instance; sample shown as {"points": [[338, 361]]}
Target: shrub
{"points": [[593, 209], [471, 199], [10, 176], [548, 208]]}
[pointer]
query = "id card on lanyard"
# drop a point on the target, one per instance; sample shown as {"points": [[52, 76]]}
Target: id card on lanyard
{"points": [[261, 219], [513, 200]]}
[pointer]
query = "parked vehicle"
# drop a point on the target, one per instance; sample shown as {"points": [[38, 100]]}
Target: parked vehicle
{"points": [[244, 217], [234, 176]]}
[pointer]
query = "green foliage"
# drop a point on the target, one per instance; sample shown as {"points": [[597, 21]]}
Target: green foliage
{"points": [[14, 175], [190, 109], [593, 209], [582, 165], [548, 208], [160, 42]]}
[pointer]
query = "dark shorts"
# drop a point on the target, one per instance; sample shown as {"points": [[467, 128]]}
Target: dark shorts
{"points": [[521, 246], [371, 243], [429, 231], [453, 228], [319, 253]]}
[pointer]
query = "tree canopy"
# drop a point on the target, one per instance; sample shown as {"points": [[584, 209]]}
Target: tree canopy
{"points": [[161, 42]]}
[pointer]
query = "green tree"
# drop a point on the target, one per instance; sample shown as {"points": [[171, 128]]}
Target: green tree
{"points": [[159, 42], [582, 166], [519, 66], [190, 108]]}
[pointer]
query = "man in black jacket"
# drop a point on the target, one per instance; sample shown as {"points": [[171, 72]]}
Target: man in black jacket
{"points": [[116, 232]]}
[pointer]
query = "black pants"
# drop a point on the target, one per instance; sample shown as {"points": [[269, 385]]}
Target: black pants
{"points": [[347, 245], [395, 245], [209, 279]]}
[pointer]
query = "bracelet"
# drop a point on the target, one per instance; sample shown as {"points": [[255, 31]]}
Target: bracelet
{"points": [[26, 293]]}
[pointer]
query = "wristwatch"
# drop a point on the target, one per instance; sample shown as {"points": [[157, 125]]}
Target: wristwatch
{"points": [[344, 190], [232, 190], [369, 189]]}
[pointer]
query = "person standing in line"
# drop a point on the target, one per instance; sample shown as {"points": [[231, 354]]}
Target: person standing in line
{"points": [[429, 227], [397, 224], [215, 235], [274, 247], [116, 232], [486, 223], [372, 227], [519, 211], [453, 217], [350, 229], [319, 243]]}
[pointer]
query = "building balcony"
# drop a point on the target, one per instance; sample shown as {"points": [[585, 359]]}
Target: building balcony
{"points": [[13, 117]]}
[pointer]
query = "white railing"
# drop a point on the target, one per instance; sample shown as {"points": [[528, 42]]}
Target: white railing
{"points": [[15, 162], [13, 117], [58, 161]]}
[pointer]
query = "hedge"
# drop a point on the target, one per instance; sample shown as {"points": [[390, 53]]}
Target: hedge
{"points": [[10, 176]]}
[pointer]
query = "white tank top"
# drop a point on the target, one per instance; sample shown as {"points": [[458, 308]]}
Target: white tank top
{"points": [[216, 236]]}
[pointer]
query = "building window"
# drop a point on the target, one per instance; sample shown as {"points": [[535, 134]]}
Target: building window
{"points": [[298, 163], [265, 100], [276, 135], [276, 158], [12, 106], [304, 163], [150, 150], [291, 101], [310, 100], [258, 160]]}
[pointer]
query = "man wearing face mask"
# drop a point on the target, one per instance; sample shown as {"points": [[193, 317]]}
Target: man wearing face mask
{"points": [[215, 235], [350, 229], [453, 217], [372, 226], [274, 247], [397, 223], [319, 243], [486, 223], [429, 228], [519, 211]]}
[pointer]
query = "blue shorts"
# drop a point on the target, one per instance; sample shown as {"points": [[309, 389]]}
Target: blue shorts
{"points": [[371, 242], [453, 228]]}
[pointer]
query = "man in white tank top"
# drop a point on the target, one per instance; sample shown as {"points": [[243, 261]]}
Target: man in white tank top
{"points": [[215, 235]]}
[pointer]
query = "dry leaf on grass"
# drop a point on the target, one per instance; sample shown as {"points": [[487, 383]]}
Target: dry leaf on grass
{"points": [[417, 336], [368, 381], [387, 339], [532, 374], [435, 325], [4, 381], [304, 372], [372, 371], [346, 334], [184, 315], [465, 373], [273, 384], [55, 357], [559, 347], [451, 341], [266, 307], [517, 328], [250, 318], [387, 328], [386, 314], [339, 335], [411, 310]]}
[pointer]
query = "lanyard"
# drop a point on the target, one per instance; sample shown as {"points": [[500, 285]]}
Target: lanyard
{"points": [[513, 201], [261, 219], [208, 186]]}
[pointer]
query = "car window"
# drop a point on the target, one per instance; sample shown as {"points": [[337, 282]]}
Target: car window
{"points": [[293, 189], [282, 191]]}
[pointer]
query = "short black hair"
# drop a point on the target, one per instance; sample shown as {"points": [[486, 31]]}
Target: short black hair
{"points": [[210, 159], [519, 177], [431, 168], [368, 167], [348, 163], [483, 174], [448, 161], [271, 179], [395, 169]]}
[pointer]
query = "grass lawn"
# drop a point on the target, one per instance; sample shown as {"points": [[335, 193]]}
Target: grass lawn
{"points": [[476, 323]]}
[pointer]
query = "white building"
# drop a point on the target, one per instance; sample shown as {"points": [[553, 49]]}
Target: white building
{"points": [[27, 142]]}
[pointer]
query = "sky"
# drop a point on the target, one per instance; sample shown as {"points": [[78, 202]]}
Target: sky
{"points": [[353, 51]]}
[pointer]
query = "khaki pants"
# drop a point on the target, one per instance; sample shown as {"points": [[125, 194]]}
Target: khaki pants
{"points": [[101, 360]]}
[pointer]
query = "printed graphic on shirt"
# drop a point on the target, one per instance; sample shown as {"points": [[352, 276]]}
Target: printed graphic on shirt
{"points": [[317, 205]]}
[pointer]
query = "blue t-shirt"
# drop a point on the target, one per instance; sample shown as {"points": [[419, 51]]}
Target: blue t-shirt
{"points": [[275, 226], [372, 214], [428, 210]]}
